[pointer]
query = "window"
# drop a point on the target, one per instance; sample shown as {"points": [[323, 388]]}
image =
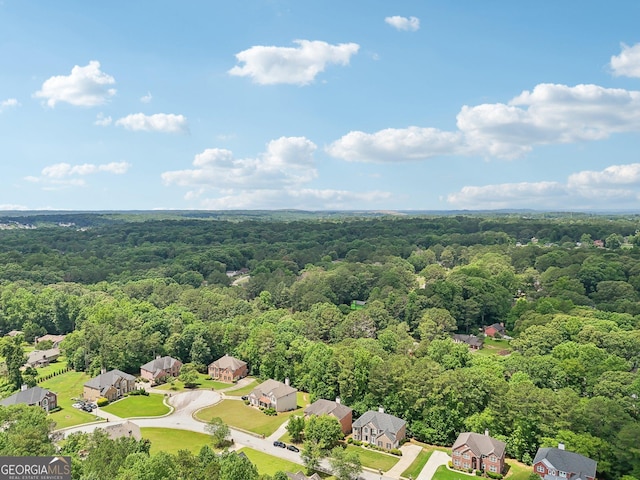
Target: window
{"points": [[366, 429], [493, 468], [563, 474], [493, 458], [456, 462], [552, 472], [456, 453], [388, 446], [379, 443], [465, 465], [466, 455], [373, 431], [540, 469]]}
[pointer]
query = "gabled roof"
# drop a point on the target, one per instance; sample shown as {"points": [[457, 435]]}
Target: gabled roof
{"points": [[382, 421], [496, 326], [125, 429], [227, 362], [566, 461], [30, 396], [328, 407], [38, 355], [159, 364], [471, 340], [106, 380], [273, 387], [302, 476], [480, 444], [54, 338]]}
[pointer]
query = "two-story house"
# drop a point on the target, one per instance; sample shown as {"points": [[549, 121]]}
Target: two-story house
{"points": [[160, 368], [273, 394], [380, 429], [110, 385], [41, 397], [479, 452], [341, 412], [560, 464], [228, 369]]}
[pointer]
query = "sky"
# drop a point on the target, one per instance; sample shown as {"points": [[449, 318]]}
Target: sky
{"points": [[320, 105]]}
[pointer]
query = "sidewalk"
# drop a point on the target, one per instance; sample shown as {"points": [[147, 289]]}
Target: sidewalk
{"points": [[436, 459], [409, 454]]}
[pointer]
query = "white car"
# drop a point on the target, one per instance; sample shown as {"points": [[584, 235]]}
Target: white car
{"points": [[77, 405]]}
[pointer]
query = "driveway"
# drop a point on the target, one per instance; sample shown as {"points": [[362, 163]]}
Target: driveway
{"points": [[436, 459]]}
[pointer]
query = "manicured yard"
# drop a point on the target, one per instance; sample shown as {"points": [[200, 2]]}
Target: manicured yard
{"points": [[443, 473], [494, 347], [246, 390], [268, 464], [417, 465], [59, 364], [374, 459], [236, 414], [517, 470], [171, 440], [204, 381], [139, 406], [68, 386]]}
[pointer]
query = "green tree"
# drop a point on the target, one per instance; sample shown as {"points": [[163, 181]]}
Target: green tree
{"points": [[345, 464], [324, 431], [25, 431], [189, 375], [14, 357], [295, 427], [234, 467], [219, 432], [311, 455]]}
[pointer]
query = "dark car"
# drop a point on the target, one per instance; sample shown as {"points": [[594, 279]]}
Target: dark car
{"points": [[245, 397], [87, 408], [293, 448], [278, 443]]}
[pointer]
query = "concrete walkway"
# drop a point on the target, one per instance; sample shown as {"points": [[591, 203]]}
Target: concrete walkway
{"points": [[436, 459], [409, 454]]}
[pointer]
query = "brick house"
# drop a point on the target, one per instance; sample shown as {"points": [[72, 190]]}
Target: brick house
{"points": [[479, 452], [228, 369], [160, 368], [495, 329], [110, 385], [39, 396], [560, 464], [273, 394], [342, 413], [380, 429]]}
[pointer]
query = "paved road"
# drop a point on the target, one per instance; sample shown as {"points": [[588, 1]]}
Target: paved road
{"points": [[185, 404]]}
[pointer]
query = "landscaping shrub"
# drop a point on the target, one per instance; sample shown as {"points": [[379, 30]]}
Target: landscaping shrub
{"points": [[270, 411], [102, 402], [496, 476], [478, 473], [396, 451]]}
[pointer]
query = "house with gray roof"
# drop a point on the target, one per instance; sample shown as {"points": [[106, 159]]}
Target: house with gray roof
{"points": [[341, 412], [228, 369], [302, 476], [273, 394], [472, 341], [158, 369], [39, 396], [479, 452], [110, 385], [380, 429], [561, 464], [42, 358], [124, 429]]}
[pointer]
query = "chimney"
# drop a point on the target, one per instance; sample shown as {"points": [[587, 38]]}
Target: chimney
{"points": [[23, 387], [561, 446], [286, 381], [381, 409], [486, 432], [338, 400], [103, 371]]}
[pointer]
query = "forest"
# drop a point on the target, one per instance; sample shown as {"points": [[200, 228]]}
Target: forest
{"points": [[128, 287]]}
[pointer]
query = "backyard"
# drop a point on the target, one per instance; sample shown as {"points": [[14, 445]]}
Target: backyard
{"points": [[139, 406], [68, 386], [171, 440], [374, 459]]}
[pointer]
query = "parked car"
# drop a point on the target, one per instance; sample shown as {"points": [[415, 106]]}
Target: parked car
{"points": [[280, 444], [245, 397], [293, 448], [87, 408], [77, 405]]}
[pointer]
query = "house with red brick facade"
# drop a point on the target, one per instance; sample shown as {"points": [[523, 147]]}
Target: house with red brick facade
{"points": [[478, 452], [495, 329], [228, 369], [560, 464], [41, 397], [327, 407], [160, 368]]}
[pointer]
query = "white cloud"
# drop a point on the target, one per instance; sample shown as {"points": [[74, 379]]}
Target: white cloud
{"points": [[146, 98], [159, 122], [65, 175], [303, 199], [269, 65], [287, 161], [8, 103], [103, 121], [85, 86], [618, 184], [627, 64], [403, 23], [10, 206], [549, 114], [393, 145]]}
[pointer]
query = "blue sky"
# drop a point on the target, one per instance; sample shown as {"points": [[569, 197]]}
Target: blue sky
{"points": [[376, 105]]}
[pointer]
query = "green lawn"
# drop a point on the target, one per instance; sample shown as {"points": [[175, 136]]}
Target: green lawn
{"points": [[236, 414], [517, 470], [246, 390], [59, 364], [268, 464], [171, 440], [374, 459], [204, 381], [417, 465], [139, 406], [68, 386], [494, 347], [443, 473]]}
